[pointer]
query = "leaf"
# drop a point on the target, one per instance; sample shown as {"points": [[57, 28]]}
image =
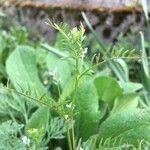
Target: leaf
{"points": [[22, 71], [130, 87], [57, 128], [54, 50], [86, 108], [124, 67], [62, 67], [71, 40], [144, 56], [145, 71], [9, 136], [126, 101], [68, 89], [38, 123], [126, 127], [107, 88]]}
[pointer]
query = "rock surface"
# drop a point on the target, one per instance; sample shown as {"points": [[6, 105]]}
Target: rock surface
{"points": [[90, 5], [33, 14]]}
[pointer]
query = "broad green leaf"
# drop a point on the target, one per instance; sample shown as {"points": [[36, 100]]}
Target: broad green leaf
{"points": [[22, 71], [68, 89], [107, 88], [130, 87], [86, 108], [37, 125], [61, 67], [126, 101], [129, 126]]}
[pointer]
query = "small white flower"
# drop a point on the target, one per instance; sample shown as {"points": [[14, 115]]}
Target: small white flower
{"points": [[69, 105], [45, 82], [54, 72], [55, 75], [66, 117], [81, 148], [83, 52], [25, 140]]}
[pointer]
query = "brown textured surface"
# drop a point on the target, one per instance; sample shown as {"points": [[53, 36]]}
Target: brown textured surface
{"points": [[84, 5], [107, 25]]}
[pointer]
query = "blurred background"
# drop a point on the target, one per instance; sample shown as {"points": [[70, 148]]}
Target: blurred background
{"points": [[110, 18]]}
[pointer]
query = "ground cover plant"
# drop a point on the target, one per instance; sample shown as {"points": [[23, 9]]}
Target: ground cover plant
{"points": [[59, 96]]}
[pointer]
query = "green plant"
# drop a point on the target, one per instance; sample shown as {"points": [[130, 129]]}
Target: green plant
{"points": [[56, 92]]}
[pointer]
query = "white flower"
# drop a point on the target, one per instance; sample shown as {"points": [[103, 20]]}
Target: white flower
{"points": [[81, 148], [54, 75], [83, 52], [54, 72], [66, 117], [69, 105], [25, 140]]}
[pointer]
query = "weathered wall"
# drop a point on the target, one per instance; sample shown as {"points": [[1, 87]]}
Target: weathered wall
{"points": [[90, 5], [34, 14]]}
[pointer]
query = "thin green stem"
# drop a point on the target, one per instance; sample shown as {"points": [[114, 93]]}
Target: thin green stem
{"points": [[73, 137], [76, 79], [69, 137], [96, 65]]}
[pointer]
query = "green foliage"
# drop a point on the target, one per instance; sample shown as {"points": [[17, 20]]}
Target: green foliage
{"points": [[58, 68], [56, 129], [71, 40], [9, 139], [127, 126], [57, 94], [108, 89], [85, 101], [23, 73], [126, 101], [37, 125]]}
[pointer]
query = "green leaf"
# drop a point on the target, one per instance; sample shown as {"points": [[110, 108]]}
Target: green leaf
{"points": [[68, 89], [22, 71], [9, 136], [144, 56], [71, 40], [62, 67], [126, 101], [38, 123], [107, 88], [126, 127], [130, 87], [86, 107]]}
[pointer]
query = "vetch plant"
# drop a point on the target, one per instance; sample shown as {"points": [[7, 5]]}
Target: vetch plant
{"points": [[80, 102]]}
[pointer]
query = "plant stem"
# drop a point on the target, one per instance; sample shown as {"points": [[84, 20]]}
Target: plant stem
{"points": [[69, 137], [73, 137], [76, 80]]}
